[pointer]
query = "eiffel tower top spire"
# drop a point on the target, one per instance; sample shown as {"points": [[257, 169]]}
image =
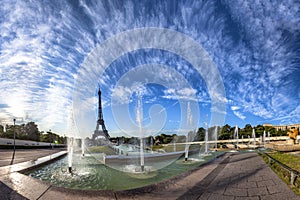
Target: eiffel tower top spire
{"points": [[100, 121], [100, 114]]}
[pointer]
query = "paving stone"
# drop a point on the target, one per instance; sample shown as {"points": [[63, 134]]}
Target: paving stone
{"points": [[216, 189], [15, 196], [220, 197], [205, 196], [247, 198], [255, 178], [238, 180], [26, 186], [247, 185], [257, 191], [267, 177], [236, 192], [62, 193], [189, 197], [4, 189], [273, 189], [7, 193], [265, 183], [279, 196]]}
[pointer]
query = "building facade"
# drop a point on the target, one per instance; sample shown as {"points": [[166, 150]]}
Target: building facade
{"points": [[283, 127]]}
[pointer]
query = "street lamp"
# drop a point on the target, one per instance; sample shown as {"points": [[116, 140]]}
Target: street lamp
{"points": [[50, 138], [13, 157]]}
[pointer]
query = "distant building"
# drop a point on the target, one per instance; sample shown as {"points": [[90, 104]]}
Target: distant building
{"points": [[283, 127], [267, 125]]}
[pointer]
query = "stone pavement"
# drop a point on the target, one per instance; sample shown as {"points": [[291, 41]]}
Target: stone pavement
{"points": [[241, 176], [237, 176], [22, 155], [233, 176]]}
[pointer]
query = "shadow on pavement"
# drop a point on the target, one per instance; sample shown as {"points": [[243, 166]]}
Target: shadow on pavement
{"points": [[7, 193]]}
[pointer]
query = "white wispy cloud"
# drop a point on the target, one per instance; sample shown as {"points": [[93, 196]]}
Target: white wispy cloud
{"points": [[239, 115], [37, 83], [255, 46], [182, 93], [265, 56]]}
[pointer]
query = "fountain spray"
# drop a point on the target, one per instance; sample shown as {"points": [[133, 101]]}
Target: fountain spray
{"points": [[71, 131], [139, 119], [206, 139], [254, 137], [189, 134], [174, 145], [70, 154], [264, 138], [186, 155], [82, 146], [248, 140], [236, 136]]}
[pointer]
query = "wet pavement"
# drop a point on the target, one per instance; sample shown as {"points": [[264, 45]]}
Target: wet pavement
{"points": [[232, 176]]}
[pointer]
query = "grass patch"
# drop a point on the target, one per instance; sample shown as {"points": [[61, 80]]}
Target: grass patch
{"points": [[102, 149], [291, 161]]}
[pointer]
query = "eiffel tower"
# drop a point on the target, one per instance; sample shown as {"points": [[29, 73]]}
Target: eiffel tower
{"points": [[100, 121]]}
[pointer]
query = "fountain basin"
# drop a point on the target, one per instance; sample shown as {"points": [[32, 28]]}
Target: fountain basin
{"points": [[90, 174]]}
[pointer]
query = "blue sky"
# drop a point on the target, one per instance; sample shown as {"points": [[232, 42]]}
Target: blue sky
{"points": [[45, 46]]}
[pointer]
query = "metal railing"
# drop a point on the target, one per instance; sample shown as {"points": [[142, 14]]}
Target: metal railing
{"points": [[293, 173]]}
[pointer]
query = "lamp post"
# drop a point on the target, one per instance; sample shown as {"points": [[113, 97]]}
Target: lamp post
{"points": [[13, 157], [50, 139]]}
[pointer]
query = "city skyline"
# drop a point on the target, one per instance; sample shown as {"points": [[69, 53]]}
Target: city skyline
{"points": [[49, 48]]}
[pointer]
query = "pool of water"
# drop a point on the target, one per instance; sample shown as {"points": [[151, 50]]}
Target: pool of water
{"points": [[91, 174]]}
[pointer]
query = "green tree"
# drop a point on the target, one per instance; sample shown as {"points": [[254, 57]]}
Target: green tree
{"points": [[225, 132], [247, 130], [45, 137], [1, 130], [32, 131], [259, 130], [9, 131], [164, 138], [21, 132], [272, 131], [281, 132], [200, 134]]}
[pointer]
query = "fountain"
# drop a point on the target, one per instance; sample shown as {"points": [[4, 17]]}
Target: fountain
{"points": [[236, 136], [260, 140], [82, 146], [249, 140], [189, 135], [215, 136], [235, 147], [174, 145], [70, 154], [206, 140], [206, 143], [264, 139], [151, 144], [139, 120], [254, 138], [242, 139]]}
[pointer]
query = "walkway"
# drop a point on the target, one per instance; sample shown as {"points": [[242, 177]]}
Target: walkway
{"points": [[233, 176], [23, 155], [241, 176]]}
